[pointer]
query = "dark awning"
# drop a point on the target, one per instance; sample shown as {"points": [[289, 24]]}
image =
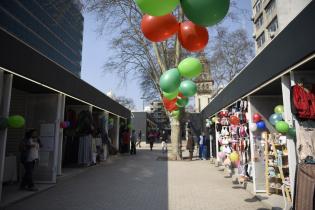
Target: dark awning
{"points": [[21, 59], [295, 43]]}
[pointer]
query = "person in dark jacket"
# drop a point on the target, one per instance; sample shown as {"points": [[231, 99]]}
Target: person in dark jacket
{"points": [[190, 145], [29, 148]]}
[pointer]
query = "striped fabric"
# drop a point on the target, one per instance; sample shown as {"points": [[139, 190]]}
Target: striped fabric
{"points": [[85, 150], [305, 187]]}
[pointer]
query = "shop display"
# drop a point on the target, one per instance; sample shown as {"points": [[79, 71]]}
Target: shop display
{"points": [[233, 137], [277, 165]]}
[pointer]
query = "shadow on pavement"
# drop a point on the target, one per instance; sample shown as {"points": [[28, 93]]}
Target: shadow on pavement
{"points": [[254, 199], [131, 182]]}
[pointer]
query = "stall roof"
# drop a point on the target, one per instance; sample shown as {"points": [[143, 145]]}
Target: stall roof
{"points": [[20, 59], [294, 44]]}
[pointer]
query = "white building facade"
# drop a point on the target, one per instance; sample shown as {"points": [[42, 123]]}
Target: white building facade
{"points": [[204, 86], [271, 16]]}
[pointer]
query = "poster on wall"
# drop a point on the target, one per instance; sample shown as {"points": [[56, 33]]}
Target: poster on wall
{"points": [[47, 137], [47, 129], [48, 144]]}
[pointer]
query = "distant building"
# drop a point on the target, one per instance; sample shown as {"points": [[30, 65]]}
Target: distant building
{"points": [[158, 115], [52, 27], [204, 85], [271, 16]]}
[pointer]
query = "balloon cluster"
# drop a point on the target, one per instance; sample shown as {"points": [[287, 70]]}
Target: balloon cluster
{"points": [[158, 24], [65, 124], [176, 93], [258, 123], [277, 120], [14, 121]]}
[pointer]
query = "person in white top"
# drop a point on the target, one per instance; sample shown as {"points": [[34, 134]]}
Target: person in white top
{"points": [[29, 149]]}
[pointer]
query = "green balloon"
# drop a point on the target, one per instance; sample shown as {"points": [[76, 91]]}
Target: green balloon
{"points": [[205, 12], [190, 67], [16, 121], [175, 113], [129, 126], [170, 96], [170, 81], [292, 132], [157, 7], [181, 102], [279, 109], [188, 88], [282, 127], [3, 123]]}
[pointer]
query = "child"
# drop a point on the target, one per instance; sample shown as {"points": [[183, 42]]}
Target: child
{"points": [[164, 146]]}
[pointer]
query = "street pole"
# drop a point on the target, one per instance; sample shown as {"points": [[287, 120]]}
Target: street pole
{"points": [[142, 103]]}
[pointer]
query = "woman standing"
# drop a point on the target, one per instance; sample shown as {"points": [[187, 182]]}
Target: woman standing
{"points": [[190, 145], [29, 156]]}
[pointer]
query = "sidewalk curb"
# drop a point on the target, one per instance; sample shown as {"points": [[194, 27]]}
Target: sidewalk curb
{"points": [[3, 206]]}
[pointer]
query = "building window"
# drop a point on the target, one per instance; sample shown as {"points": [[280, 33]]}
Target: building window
{"points": [[271, 8], [257, 6], [260, 40], [259, 22], [273, 27], [199, 105]]}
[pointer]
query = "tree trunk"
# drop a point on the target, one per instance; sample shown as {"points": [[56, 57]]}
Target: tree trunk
{"points": [[175, 139]]}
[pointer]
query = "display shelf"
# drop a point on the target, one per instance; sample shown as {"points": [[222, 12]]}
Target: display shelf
{"points": [[282, 170]]}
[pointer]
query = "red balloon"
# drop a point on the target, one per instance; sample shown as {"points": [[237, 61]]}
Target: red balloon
{"points": [[256, 117], [234, 120], [159, 28], [168, 102], [193, 38], [170, 105], [224, 113], [180, 95]]}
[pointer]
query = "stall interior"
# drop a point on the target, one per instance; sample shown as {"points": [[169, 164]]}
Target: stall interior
{"points": [[39, 106], [303, 109], [232, 135]]}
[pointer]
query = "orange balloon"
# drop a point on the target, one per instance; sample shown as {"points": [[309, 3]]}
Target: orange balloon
{"points": [[193, 38], [234, 120], [159, 28]]}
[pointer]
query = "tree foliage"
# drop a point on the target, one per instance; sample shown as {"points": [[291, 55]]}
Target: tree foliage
{"points": [[126, 102], [230, 52]]}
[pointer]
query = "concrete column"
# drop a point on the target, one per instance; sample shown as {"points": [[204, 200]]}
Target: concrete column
{"points": [[59, 132], [292, 157], [117, 132], [5, 99]]}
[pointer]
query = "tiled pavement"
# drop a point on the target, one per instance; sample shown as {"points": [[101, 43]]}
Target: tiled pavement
{"points": [[142, 182]]}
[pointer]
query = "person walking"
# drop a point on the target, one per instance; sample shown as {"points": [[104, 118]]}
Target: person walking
{"points": [[133, 143], [190, 145], [126, 140], [164, 146], [29, 148], [202, 146], [151, 139], [139, 139]]}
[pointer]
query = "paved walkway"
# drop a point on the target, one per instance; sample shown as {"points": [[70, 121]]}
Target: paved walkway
{"points": [[142, 182]]}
